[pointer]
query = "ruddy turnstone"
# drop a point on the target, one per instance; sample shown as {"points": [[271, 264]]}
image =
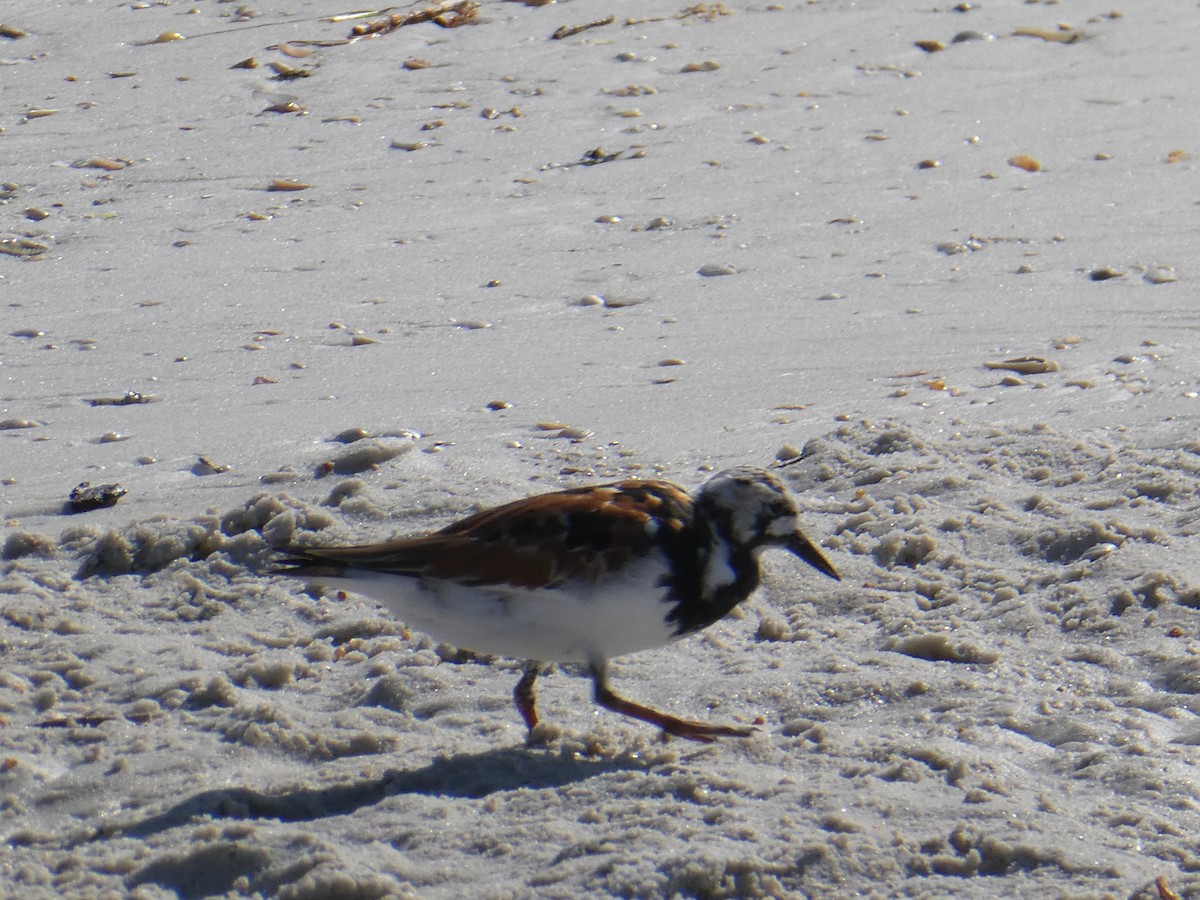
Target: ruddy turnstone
{"points": [[580, 575]]}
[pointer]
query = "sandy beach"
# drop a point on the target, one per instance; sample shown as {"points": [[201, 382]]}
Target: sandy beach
{"points": [[276, 272]]}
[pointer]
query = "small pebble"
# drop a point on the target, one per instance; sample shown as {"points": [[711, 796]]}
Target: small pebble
{"points": [[575, 434], [714, 270], [952, 248], [350, 435], [286, 72], [1099, 551], [84, 497], [205, 466], [1105, 273], [1027, 163]]}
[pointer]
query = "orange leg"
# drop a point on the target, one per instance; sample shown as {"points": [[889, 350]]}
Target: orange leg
{"points": [[524, 695], [684, 728]]}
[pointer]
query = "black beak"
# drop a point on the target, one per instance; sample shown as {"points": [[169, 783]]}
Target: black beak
{"points": [[807, 551]]}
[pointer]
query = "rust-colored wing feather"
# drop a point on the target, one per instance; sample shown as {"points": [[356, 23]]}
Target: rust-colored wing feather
{"points": [[540, 541]]}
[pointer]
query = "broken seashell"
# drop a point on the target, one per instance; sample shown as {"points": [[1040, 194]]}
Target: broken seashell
{"points": [[1026, 365]]}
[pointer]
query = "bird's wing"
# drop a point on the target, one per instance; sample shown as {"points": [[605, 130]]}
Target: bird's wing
{"points": [[537, 542]]}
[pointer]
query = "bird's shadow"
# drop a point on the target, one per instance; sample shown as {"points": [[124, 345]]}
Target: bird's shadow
{"points": [[470, 776]]}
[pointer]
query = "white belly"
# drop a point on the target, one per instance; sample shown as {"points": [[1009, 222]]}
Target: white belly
{"points": [[578, 622]]}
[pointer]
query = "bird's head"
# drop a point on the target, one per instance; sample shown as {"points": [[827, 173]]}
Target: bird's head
{"points": [[752, 508]]}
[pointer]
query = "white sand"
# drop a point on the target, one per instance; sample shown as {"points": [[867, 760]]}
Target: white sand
{"points": [[1000, 699]]}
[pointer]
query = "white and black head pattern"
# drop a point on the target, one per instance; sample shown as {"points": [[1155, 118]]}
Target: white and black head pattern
{"points": [[737, 513], [749, 507]]}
